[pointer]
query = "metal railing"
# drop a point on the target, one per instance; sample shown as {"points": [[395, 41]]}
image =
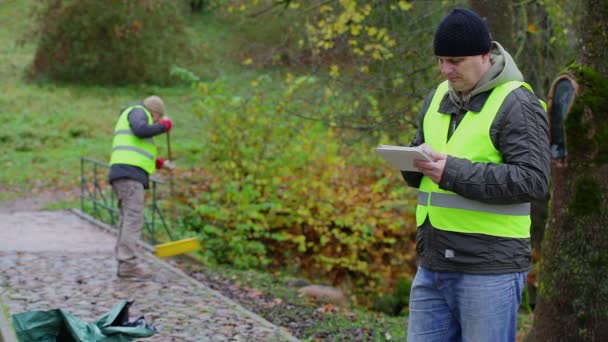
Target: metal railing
{"points": [[94, 189]]}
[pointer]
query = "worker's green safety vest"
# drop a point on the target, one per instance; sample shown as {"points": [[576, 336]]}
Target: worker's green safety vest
{"points": [[130, 149], [449, 211]]}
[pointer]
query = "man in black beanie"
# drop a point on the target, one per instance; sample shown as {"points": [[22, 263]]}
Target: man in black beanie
{"points": [[488, 135]]}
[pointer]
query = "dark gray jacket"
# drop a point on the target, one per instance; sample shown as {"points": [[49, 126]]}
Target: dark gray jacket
{"points": [[140, 127], [520, 133]]}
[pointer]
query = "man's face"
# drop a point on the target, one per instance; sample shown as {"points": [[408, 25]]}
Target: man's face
{"points": [[463, 73], [156, 116]]}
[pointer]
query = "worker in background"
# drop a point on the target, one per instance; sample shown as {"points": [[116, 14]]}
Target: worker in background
{"points": [[134, 159]]}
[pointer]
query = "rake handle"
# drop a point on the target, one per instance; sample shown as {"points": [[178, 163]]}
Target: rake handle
{"points": [[170, 157], [169, 146]]}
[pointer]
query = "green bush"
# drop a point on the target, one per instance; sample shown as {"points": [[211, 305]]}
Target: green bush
{"points": [[394, 303], [286, 192], [110, 42]]}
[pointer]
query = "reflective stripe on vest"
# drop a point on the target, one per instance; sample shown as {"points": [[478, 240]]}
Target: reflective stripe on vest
{"points": [[449, 211], [455, 201], [129, 149]]}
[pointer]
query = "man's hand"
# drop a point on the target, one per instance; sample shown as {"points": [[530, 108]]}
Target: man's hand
{"points": [[169, 165], [162, 163], [167, 123], [434, 169]]}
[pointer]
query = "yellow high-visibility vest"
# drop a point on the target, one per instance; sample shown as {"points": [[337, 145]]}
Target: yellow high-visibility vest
{"points": [[449, 211], [129, 149]]}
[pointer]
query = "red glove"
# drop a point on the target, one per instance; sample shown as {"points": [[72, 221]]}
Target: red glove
{"points": [[159, 163], [167, 123]]}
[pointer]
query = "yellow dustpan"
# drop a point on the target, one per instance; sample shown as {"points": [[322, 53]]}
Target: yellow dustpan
{"points": [[177, 247]]}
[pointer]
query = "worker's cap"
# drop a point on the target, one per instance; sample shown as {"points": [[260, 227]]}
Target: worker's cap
{"points": [[462, 33], [155, 104]]}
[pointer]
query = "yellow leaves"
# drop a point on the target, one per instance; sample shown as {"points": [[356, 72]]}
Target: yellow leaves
{"points": [[349, 5], [404, 5], [348, 20], [358, 18], [334, 71], [383, 34], [325, 8], [312, 29], [367, 10], [372, 31], [248, 61], [300, 241], [294, 5], [532, 28], [324, 240], [289, 78]]}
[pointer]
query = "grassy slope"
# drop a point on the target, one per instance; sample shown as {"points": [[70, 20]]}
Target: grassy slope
{"points": [[49, 126]]}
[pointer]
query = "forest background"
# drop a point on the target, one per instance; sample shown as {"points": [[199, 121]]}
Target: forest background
{"points": [[277, 106]]}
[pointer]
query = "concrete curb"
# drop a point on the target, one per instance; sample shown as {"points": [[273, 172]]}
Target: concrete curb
{"points": [[147, 254], [7, 333]]}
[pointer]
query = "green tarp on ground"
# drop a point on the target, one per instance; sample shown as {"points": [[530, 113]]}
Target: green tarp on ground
{"points": [[60, 326]]}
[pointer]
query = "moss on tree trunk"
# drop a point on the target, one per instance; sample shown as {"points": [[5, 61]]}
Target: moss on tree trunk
{"points": [[573, 294]]}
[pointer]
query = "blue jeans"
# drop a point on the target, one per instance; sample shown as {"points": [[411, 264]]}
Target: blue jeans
{"points": [[446, 306]]}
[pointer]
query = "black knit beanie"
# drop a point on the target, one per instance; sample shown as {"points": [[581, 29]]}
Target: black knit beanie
{"points": [[462, 33]]}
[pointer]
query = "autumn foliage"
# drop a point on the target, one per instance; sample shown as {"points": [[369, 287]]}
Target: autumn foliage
{"points": [[282, 192]]}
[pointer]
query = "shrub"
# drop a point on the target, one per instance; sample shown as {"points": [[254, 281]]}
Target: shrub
{"points": [[286, 192], [109, 42]]}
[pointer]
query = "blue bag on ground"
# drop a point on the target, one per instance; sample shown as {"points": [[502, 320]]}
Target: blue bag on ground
{"points": [[60, 326]]}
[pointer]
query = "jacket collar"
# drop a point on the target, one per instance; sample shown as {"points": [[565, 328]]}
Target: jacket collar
{"points": [[475, 104]]}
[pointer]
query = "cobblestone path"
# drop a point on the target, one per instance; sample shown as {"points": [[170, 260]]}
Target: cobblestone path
{"points": [[55, 259]]}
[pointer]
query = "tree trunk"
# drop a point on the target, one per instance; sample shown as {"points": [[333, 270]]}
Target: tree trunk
{"points": [[594, 23], [499, 20], [573, 296]]}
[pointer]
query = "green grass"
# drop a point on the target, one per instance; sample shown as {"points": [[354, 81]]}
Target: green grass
{"points": [[9, 329], [48, 127]]}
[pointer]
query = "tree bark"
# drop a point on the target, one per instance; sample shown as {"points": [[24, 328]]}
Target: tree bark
{"points": [[499, 20], [573, 293], [594, 36]]}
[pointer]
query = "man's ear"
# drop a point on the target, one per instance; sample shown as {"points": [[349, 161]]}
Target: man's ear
{"points": [[485, 57]]}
